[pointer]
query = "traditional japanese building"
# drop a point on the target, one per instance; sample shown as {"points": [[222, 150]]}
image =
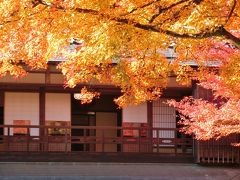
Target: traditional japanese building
{"points": [[40, 120]]}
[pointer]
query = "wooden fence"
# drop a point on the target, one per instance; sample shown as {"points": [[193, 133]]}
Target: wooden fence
{"points": [[91, 139], [106, 139], [219, 151]]}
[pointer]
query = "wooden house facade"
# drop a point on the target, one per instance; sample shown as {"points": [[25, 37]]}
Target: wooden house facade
{"points": [[40, 120]]}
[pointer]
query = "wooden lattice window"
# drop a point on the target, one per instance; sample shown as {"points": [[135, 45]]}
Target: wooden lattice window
{"points": [[164, 116]]}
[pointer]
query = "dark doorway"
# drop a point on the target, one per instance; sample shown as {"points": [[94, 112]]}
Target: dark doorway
{"points": [[86, 115], [82, 119]]}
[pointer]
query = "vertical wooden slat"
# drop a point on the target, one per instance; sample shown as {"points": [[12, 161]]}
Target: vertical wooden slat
{"points": [[218, 151], [66, 139], [103, 144], [139, 140], [212, 151], [84, 140], [204, 152], [228, 150], [8, 138], [28, 138], [237, 149], [223, 151], [46, 140], [122, 142], [237, 155], [201, 150], [175, 143], [158, 141]]}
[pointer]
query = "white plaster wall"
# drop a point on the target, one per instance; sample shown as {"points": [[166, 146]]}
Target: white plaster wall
{"points": [[135, 114], [58, 107], [21, 106]]}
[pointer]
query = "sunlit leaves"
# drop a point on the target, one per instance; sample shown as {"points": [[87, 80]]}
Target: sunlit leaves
{"points": [[204, 17], [141, 79], [206, 120], [219, 114], [121, 41], [12, 67], [86, 96]]}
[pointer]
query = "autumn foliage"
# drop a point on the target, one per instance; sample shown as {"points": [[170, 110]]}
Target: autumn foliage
{"points": [[122, 42], [216, 114]]}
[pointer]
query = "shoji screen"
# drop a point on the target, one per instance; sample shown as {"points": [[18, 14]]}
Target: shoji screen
{"points": [[163, 117], [135, 114], [22, 106], [58, 107]]}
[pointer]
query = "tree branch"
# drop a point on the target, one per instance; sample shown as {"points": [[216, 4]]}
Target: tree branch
{"points": [[218, 32], [14, 20], [230, 36], [161, 11], [221, 31], [232, 10], [143, 6]]}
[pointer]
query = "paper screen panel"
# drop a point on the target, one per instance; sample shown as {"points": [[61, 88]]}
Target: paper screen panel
{"points": [[22, 106], [58, 107]]}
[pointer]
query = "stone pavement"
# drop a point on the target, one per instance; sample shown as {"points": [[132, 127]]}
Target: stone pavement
{"points": [[114, 171]]}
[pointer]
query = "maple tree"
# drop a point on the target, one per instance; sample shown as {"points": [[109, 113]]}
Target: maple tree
{"points": [[120, 42], [215, 113]]}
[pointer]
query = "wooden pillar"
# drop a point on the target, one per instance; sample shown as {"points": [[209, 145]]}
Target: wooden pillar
{"points": [[42, 116], [149, 114], [150, 125], [42, 106], [1, 111], [1, 98]]}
